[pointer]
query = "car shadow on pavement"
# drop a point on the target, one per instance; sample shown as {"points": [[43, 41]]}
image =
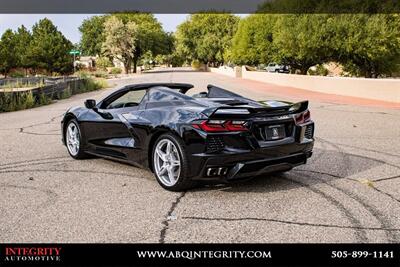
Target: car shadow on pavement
{"points": [[324, 166]]}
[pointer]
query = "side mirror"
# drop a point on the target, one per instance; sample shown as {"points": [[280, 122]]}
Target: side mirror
{"points": [[90, 103]]}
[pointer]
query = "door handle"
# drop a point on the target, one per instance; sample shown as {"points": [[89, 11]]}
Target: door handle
{"points": [[105, 115]]}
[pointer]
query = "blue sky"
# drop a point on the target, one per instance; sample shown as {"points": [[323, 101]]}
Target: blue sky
{"points": [[68, 23]]}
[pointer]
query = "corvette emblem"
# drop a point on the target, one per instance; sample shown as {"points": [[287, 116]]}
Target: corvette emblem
{"points": [[275, 132]]}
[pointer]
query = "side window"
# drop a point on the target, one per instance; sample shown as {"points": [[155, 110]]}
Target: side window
{"points": [[129, 99]]}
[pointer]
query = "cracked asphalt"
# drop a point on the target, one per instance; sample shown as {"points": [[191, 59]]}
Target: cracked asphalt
{"points": [[348, 192]]}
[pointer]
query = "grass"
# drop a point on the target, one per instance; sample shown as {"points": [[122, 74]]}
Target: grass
{"points": [[17, 100], [83, 74], [14, 85], [10, 101], [367, 182], [91, 84]]}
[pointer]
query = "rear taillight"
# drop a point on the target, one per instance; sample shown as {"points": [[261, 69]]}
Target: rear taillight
{"points": [[221, 126], [236, 126], [303, 117]]}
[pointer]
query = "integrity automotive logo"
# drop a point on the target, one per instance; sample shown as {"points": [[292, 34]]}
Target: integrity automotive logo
{"points": [[32, 254]]}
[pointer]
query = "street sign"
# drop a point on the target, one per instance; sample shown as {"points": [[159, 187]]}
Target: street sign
{"points": [[74, 52]]}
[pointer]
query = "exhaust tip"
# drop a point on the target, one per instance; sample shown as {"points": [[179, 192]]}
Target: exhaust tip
{"points": [[222, 171], [217, 171]]}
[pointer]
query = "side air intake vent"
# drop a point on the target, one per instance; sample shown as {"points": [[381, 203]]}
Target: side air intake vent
{"points": [[309, 133]]}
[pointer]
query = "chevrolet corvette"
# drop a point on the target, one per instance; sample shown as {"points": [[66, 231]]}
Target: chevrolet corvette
{"points": [[187, 138]]}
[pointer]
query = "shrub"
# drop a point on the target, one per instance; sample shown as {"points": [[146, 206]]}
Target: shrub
{"points": [[103, 63], [43, 100], [196, 64], [82, 74], [6, 101], [66, 93], [116, 71], [101, 83], [56, 74], [17, 74], [318, 70], [101, 74], [12, 101], [29, 100], [91, 84]]}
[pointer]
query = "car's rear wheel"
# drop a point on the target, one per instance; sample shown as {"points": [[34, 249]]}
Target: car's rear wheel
{"points": [[170, 164], [73, 139]]}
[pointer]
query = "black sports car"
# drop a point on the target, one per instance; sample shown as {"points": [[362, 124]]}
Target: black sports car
{"points": [[185, 139]]}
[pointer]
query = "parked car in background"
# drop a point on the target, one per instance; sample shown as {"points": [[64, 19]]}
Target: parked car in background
{"points": [[274, 67]]}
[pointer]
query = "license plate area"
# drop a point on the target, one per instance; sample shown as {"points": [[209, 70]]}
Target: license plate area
{"points": [[273, 132]]}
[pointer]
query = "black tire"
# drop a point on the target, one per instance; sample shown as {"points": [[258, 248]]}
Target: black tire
{"points": [[80, 154], [183, 182]]}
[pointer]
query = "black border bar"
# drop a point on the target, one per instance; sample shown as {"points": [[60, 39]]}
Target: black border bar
{"points": [[212, 255], [194, 6]]}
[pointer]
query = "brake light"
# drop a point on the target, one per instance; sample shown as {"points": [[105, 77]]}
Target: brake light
{"points": [[236, 126], [213, 126], [221, 126], [307, 116], [303, 117]]}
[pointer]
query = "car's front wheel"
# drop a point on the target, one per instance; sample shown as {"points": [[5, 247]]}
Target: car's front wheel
{"points": [[73, 139], [170, 164]]}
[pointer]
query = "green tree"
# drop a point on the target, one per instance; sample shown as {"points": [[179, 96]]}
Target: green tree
{"points": [[302, 41], [120, 40], [8, 55], [150, 35], [167, 44], [49, 48], [103, 63], [253, 42], [23, 43], [184, 45], [299, 41], [367, 45], [206, 37], [170, 55], [92, 30]]}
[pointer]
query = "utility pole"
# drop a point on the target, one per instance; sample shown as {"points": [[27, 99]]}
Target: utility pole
{"points": [[74, 64]]}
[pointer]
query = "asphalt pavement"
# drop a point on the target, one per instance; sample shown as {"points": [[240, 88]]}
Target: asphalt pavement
{"points": [[348, 192]]}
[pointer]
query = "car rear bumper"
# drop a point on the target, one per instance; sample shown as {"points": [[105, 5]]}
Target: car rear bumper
{"points": [[228, 167], [255, 168]]}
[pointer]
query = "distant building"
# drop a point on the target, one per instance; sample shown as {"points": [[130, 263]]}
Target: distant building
{"points": [[118, 63], [87, 61]]}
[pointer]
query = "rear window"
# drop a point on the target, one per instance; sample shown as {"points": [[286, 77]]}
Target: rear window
{"points": [[166, 94]]}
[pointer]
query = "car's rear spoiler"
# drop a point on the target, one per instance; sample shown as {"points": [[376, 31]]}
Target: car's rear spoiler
{"points": [[247, 112]]}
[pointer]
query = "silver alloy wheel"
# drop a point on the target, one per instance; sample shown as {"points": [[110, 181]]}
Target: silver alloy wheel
{"points": [[167, 163], [73, 139]]}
